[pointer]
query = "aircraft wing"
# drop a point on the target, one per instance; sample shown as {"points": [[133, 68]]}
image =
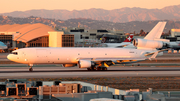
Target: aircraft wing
{"points": [[154, 54], [123, 44], [111, 59], [157, 52], [114, 59]]}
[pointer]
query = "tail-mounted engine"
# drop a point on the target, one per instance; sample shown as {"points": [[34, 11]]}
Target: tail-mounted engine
{"points": [[148, 43]]}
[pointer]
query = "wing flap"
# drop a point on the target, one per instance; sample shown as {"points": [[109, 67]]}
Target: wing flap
{"points": [[110, 59]]}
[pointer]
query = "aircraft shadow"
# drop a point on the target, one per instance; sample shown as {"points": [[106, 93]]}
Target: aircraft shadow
{"points": [[36, 71]]}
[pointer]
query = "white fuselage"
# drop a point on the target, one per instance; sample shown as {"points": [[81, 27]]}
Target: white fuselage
{"points": [[71, 55]]}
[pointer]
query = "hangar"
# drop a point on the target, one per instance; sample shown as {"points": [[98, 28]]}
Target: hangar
{"points": [[34, 35]]}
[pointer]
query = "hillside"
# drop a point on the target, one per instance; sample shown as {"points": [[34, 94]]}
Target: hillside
{"points": [[118, 15], [128, 27]]}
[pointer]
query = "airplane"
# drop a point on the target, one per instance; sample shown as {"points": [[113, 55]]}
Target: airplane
{"points": [[174, 45], [92, 58], [122, 44], [2, 45]]}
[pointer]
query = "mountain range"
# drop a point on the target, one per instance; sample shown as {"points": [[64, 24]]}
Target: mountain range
{"points": [[129, 27], [118, 15]]}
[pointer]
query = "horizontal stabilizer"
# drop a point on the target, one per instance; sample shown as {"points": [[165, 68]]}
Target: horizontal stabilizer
{"points": [[163, 40], [123, 45]]}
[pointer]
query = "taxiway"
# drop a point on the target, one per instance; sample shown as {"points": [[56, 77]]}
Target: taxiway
{"points": [[58, 72]]}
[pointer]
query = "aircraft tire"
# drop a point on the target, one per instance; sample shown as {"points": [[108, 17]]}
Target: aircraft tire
{"points": [[98, 68], [89, 69], [30, 69], [93, 68], [104, 68]]}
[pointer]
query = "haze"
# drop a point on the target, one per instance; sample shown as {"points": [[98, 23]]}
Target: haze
{"points": [[23, 5]]}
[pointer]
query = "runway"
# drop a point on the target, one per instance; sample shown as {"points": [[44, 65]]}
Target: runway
{"points": [[58, 72]]}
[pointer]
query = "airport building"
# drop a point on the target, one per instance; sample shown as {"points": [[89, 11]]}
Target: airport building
{"points": [[23, 90], [92, 37], [40, 35], [175, 32], [34, 35], [175, 35]]}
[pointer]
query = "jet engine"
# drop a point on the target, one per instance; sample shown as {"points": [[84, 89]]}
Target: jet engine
{"points": [[147, 43], [85, 63], [69, 65]]}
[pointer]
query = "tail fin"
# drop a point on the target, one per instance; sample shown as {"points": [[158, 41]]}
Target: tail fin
{"points": [[103, 39], [129, 38], [156, 32]]}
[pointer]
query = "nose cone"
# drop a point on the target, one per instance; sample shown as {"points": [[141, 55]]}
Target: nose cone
{"points": [[9, 56]]}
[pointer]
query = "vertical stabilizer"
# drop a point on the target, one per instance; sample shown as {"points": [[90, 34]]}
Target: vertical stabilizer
{"points": [[129, 38], [156, 32]]}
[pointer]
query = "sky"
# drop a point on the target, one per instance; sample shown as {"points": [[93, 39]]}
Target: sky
{"points": [[24, 5]]}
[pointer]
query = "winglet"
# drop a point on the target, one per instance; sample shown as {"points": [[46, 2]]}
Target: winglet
{"points": [[154, 55]]}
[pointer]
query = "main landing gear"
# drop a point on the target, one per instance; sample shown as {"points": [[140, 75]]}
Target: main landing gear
{"points": [[97, 68], [30, 68]]}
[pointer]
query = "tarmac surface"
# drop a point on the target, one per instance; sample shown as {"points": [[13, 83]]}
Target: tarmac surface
{"points": [[116, 71]]}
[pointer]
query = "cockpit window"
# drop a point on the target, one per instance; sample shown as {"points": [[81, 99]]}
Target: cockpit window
{"points": [[15, 53]]}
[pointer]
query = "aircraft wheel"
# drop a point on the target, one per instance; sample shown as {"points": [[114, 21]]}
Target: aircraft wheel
{"points": [[88, 69], [93, 68], [98, 68], [104, 69], [30, 69]]}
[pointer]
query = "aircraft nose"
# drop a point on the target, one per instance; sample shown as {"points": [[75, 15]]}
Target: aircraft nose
{"points": [[9, 57]]}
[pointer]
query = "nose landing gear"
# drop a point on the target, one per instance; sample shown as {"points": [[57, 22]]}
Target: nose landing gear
{"points": [[30, 68]]}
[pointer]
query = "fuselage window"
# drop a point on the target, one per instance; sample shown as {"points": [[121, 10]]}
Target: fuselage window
{"points": [[15, 53]]}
